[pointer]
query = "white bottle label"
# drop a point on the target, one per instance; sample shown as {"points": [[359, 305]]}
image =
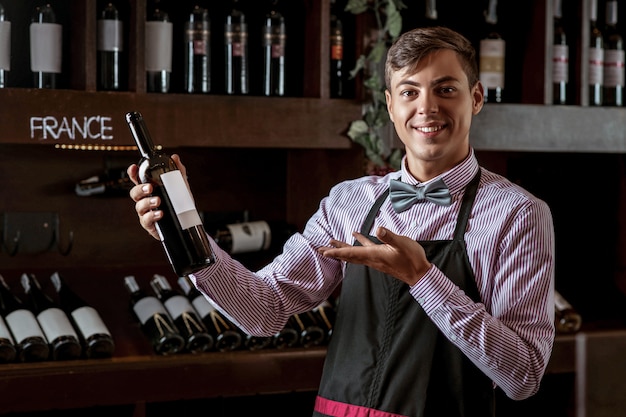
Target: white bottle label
{"points": [[89, 322], [4, 331], [159, 46], [181, 199], [596, 66], [148, 307], [177, 305], [250, 237], [560, 302], [492, 53], [110, 35], [23, 324], [202, 306], [54, 323], [46, 47], [560, 63], [5, 45], [613, 67]]}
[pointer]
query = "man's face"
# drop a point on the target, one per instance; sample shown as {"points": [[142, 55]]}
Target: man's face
{"points": [[432, 110]]}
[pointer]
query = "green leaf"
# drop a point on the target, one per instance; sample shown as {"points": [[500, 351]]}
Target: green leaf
{"points": [[356, 6], [357, 128]]}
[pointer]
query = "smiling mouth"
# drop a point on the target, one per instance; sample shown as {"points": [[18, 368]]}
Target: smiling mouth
{"points": [[429, 129]]}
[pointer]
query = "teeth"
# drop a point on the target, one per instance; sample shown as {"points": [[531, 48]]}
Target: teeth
{"points": [[429, 129]]}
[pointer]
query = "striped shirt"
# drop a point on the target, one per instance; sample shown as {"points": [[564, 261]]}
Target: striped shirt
{"points": [[510, 245]]}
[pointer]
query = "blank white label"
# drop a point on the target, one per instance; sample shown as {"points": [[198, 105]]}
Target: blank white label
{"points": [[45, 47], [181, 199], [159, 46], [5, 45]]}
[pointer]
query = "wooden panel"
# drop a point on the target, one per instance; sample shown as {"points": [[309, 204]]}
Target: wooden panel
{"points": [[176, 120]]}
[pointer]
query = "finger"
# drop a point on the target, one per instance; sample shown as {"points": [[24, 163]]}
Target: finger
{"points": [[140, 191], [133, 173], [362, 239], [182, 168]]}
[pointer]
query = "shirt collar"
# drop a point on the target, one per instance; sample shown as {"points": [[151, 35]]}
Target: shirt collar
{"points": [[456, 178]]}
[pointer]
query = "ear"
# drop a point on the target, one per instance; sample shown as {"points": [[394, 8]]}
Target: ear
{"points": [[478, 96], [389, 105]]}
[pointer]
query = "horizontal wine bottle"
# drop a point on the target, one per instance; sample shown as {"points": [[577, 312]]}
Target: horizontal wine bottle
{"points": [[185, 317], [154, 320], [311, 334], [567, 319], [287, 337], [94, 334], [180, 229], [30, 341], [226, 336], [56, 325], [252, 236], [325, 315], [8, 351]]}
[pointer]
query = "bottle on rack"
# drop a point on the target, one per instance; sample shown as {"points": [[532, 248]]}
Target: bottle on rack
{"points": [[189, 325], [158, 50], [46, 39], [226, 336], [492, 50], [30, 341], [5, 48], [252, 236], [596, 57], [336, 52], [113, 183], [287, 337], [56, 325], [613, 86], [198, 51], [274, 39], [180, 229], [311, 334], [251, 342], [325, 317], [110, 46], [8, 351], [154, 320], [567, 319], [236, 48], [560, 57], [431, 12], [95, 336]]}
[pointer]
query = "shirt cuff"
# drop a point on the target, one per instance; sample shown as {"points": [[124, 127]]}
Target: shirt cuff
{"points": [[432, 290]]}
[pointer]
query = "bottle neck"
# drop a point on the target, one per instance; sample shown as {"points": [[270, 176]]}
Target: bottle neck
{"points": [[140, 133]]}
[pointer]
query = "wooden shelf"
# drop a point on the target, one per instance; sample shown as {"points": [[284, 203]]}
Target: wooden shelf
{"points": [[175, 120]]}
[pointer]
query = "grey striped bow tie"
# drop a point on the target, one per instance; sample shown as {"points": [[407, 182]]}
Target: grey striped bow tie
{"points": [[403, 195]]}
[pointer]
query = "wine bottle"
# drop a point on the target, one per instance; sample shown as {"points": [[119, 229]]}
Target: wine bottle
{"points": [[596, 57], [46, 39], [115, 183], [560, 57], [236, 47], [253, 343], [252, 236], [492, 57], [567, 319], [56, 325], [154, 320], [325, 317], [431, 12], [30, 341], [180, 229], [274, 39], [5, 48], [287, 337], [94, 334], [311, 334], [336, 52], [8, 351], [158, 50], [198, 51], [226, 336], [189, 325], [110, 46], [613, 86]]}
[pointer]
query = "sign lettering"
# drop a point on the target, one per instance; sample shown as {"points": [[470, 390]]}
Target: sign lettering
{"points": [[89, 127]]}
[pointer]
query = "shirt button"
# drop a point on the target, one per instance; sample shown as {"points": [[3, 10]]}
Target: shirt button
{"points": [[413, 223], [453, 337], [420, 300]]}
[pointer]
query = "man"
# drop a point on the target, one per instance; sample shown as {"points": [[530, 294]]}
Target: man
{"points": [[454, 294]]}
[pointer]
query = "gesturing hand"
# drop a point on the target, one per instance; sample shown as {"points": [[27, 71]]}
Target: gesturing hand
{"points": [[398, 256]]}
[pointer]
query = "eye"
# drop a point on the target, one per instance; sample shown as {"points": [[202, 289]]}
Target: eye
{"points": [[408, 93], [447, 90]]}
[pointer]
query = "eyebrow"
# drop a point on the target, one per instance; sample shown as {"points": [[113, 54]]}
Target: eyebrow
{"points": [[440, 80]]}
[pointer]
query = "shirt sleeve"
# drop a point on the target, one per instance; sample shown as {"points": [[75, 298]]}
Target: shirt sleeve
{"points": [[510, 337]]}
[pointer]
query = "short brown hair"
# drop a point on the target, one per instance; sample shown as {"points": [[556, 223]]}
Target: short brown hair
{"points": [[412, 46]]}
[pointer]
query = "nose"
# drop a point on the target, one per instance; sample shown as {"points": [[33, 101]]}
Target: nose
{"points": [[427, 103]]}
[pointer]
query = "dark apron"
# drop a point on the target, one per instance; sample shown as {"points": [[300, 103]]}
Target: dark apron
{"points": [[386, 357]]}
